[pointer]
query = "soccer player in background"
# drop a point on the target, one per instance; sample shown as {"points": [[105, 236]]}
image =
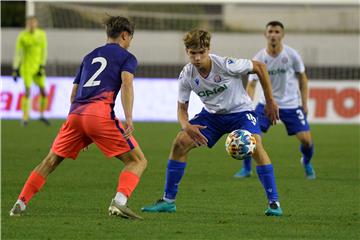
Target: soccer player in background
{"points": [[217, 82], [29, 63], [290, 90], [103, 73]]}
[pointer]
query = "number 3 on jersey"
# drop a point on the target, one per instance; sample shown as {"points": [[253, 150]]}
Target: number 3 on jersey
{"points": [[92, 82], [251, 118]]}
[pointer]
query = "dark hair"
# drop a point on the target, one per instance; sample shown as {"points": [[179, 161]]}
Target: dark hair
{"points": [[275, 23], [197, 39], [115, 25]]}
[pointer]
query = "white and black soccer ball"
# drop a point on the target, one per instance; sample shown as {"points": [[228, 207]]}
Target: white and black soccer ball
{"points": [[240, 144]]}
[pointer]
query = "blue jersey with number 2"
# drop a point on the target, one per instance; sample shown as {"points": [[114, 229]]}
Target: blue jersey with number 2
{"points": [[99, 80]]}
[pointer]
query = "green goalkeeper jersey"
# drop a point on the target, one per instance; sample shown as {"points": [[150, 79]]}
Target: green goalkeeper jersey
{"points": [[31, 50]]}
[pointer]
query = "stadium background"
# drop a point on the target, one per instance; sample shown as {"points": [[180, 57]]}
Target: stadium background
{"points": [[326, 33]]}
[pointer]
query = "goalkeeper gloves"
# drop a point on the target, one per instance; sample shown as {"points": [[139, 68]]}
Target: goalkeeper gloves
{"points": [[15, 74], [41, 71]]}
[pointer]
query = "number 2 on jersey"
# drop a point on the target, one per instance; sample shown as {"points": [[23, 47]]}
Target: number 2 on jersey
{"points": [[92, 82]]}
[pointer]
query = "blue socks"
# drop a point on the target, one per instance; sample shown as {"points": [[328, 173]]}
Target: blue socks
{"points": [[174, 172], [247, 164], [267, 178], [307, 153]]}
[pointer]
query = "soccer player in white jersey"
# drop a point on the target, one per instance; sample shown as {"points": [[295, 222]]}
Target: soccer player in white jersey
{"points": [[217, 81], [290, 90]]}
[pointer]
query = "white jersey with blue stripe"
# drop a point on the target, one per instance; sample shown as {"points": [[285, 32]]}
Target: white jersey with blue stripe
{"points": [[222, 91], [282, 70]]}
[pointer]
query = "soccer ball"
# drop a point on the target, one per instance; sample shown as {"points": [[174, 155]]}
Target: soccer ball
{"points": [[240, 144]]}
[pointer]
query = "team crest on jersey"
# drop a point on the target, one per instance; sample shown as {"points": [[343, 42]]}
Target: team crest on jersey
{"points": [[217, 79], [284, 60], [197, 81]]}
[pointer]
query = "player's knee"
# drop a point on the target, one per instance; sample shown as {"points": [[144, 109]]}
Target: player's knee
{"points": [[181, 143], [49, 164], [260, 156], [143, 162], [306, 143], [305, 139]]}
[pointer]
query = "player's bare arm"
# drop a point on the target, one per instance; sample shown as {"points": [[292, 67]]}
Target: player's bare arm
{"points": [[127, 100], [250, 89], [192, 130], [304, 90], [271, 108], [73, 92]]}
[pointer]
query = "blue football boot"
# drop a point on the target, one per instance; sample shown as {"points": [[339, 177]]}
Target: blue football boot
{"points": [[309, 170], [274, 209], [243, 173], [160, 206]]}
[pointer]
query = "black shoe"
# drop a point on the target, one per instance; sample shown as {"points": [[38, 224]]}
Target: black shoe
{"points": [[45, 121], [24, 123]]}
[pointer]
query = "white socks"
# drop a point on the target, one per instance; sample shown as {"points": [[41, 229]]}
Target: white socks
{"points": [[22, 204], [168, 200], [120, 198]]}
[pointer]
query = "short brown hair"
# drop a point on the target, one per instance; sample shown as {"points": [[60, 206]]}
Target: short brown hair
{"points": [[275, 23], [197, 39], [116, 25]]}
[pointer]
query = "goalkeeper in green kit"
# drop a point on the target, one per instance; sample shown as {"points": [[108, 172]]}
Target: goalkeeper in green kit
{"points": [[29, 63]]}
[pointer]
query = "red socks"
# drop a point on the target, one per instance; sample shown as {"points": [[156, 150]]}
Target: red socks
{"points": [[127, 183], [33, 184]]}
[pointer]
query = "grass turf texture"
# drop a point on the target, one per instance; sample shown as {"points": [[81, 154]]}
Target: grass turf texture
{"points": [[211, 203]]}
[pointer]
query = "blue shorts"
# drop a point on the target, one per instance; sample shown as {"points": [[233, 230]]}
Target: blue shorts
{"points": [[219, 124], [294, 119]]}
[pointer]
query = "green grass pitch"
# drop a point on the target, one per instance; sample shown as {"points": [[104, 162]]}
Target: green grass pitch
{"points": [[211, 203]]}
